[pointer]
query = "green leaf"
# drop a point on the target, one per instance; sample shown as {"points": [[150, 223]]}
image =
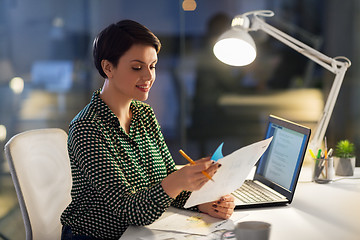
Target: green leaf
{"points": [[345, 149]]}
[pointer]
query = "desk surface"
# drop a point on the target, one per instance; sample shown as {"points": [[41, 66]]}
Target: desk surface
{"points": [[318, 211]]}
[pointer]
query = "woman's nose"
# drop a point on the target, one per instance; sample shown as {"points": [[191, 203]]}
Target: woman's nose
{"points": [[149, 74]]}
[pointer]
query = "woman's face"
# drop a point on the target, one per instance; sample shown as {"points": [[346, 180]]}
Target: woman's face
{"points": [[135, 73]]}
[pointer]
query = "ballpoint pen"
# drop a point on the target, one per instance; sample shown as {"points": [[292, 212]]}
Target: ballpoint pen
{"points": [[193, 163]]}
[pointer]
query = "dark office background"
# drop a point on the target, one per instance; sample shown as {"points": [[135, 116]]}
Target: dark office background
{"points": [[47, 43]]}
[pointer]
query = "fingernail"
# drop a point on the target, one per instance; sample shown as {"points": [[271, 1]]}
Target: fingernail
{"points": [[216, 210], [218, 202], [219, 165], [214, 205]]}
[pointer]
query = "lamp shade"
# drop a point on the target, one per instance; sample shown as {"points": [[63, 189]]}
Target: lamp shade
{"points": [[235, 47]]}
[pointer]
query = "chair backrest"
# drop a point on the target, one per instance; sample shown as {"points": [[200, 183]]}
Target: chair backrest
{"points": [[41, 172]]}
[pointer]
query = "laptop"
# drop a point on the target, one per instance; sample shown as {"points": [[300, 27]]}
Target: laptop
{"points": [[277, 171]]}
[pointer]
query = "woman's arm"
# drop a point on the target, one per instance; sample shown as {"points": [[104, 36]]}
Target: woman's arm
{"points": [[94, 156]]}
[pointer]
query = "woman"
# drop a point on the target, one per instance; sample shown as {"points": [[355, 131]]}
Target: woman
{"points": [[123, 173]]}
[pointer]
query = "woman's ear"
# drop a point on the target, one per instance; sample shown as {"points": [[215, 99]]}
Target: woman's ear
{"points": [[107, 67]]}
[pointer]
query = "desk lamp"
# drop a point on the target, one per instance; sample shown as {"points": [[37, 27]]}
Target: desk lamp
{"points": [[237, 48]]}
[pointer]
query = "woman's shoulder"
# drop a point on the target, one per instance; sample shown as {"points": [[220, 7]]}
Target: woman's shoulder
{"points": [[86, 120], [144, 112], [87, 113], [141, 106]]}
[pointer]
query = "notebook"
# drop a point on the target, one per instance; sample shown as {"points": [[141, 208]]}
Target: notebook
{"points": [[277, 171]]}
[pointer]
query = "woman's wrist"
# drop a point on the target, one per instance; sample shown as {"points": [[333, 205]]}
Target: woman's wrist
{"points": [[171, 186], [204, 208]]}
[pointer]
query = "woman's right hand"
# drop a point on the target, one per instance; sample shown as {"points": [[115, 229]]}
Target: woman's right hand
{"points": [[189, 177]]}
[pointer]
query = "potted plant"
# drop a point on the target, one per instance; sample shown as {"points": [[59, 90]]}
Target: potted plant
{"points": [[344, 159]]}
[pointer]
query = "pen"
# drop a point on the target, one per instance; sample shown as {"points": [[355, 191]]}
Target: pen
{"points": [[326, 152], [330, 152], [326, 157], [319, 154], [312, 154], [193, 163]]}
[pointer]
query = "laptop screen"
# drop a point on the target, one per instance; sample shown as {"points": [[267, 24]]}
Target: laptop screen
{"points": [[281, 163]]}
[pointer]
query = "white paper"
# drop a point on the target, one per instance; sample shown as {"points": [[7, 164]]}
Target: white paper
{"points": [[189, 222], [231, 175]]}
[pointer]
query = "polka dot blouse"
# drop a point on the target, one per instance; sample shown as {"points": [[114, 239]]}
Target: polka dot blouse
{"points": [[116, 176]]}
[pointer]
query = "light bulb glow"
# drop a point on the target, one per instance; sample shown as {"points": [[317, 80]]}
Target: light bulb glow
{"points": [[189, 5], [235, 47], [234, 52], [2, 133], [17, 85]]}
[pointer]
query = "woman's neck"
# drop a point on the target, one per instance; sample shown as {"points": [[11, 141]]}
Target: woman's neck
{"points": [[119, 105]]}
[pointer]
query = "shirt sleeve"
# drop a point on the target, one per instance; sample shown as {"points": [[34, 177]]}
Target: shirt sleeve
{"points": [[91, 153]]}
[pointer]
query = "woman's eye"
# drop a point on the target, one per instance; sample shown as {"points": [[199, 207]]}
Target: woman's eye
{"points": [[138, 68]]}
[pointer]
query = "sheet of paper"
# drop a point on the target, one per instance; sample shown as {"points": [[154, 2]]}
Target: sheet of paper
{"points": [[189, 222], [232, 174]]}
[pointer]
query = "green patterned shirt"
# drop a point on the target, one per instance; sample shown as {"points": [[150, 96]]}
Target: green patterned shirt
{"points": [[117, 176]]}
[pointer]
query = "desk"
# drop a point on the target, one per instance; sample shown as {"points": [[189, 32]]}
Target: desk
{"points": [[318, 211]]}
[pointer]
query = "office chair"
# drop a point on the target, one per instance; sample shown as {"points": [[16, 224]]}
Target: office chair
{"points": [[40, 169]]}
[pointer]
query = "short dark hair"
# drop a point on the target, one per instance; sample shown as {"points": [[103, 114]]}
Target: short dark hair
{"points": [[116, 39]]}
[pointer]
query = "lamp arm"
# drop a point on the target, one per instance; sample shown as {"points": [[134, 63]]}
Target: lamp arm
{"points": [[323, 123], [328, 63], [331, 64]]}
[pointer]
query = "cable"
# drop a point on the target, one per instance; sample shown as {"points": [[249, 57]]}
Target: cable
{"points": [[343, 178]]}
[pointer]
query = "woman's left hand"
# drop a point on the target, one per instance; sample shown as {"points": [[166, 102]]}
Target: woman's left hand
{"points": [[222, 208]]}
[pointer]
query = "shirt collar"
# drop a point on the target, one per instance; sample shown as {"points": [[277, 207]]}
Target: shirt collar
{"points": [[105, 112]]}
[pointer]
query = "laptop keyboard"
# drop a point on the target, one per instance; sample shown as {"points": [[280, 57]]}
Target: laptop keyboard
{"points": [[251, 192]]}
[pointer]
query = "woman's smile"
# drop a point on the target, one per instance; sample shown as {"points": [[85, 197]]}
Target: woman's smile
{"points": [[144, 87]]}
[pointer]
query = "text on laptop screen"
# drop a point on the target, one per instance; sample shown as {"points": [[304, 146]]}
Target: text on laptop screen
{"points": [[283, 157]]}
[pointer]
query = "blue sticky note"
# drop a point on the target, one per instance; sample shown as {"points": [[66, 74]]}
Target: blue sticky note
{"points": [[218, 153]]}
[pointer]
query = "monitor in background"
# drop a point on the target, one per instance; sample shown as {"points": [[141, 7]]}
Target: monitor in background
{"points": [[53, 75]]}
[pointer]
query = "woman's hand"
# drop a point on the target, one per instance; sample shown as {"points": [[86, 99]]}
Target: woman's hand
{"points": [[189, 177], [223, 208]]}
